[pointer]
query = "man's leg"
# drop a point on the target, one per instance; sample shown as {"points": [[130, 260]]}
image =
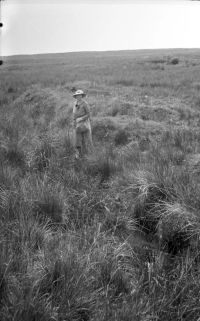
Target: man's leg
{"points": [[78, 143], [88, 141], [84, 147]]}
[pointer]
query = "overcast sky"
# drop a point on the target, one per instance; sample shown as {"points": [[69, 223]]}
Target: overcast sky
{"points": [[42, 26]]}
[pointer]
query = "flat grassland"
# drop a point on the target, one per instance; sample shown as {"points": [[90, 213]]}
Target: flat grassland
{"points": [[115, 236]]}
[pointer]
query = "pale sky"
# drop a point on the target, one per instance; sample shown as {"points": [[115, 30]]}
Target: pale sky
{"points": [[47, 26]]}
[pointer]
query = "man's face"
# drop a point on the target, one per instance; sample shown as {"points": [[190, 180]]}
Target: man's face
{"points": [[78, 97]]}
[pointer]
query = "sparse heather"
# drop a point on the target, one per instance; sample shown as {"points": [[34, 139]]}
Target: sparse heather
{"points": [[115, 236]]}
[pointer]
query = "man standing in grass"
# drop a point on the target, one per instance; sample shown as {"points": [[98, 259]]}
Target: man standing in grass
{"points": [[82, 125]]}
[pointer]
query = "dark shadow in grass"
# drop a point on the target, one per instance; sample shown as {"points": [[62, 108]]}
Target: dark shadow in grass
{"points": [[121, 137], [48, 207], [15, 157], [103, 166], [176, 243], [42, 156]]}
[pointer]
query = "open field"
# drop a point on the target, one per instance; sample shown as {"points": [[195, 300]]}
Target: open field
{"points": [[117, 235]]}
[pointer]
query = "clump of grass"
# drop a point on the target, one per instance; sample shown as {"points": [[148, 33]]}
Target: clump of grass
{"points": [[173, 61], [40, 157], [102, 129], [157, 208], [45, 198], [150, 194], [176, 226]]}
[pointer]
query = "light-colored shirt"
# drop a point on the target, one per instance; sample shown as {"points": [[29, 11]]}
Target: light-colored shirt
{"points": [[81, 111]]}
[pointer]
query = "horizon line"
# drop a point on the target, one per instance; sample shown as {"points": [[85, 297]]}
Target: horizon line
{"points": [[97, 51]]}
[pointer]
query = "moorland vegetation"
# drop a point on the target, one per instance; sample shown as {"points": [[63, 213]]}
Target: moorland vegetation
{"points": [[115, 236]]}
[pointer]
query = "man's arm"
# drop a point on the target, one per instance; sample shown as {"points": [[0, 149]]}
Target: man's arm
{"points": [[74, 116], [87, 111]]}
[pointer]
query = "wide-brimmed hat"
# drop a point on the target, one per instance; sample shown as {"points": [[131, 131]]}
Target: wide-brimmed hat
{"points": [[79, 92]]}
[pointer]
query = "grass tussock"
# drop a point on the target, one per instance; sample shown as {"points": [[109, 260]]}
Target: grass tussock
{"points": [[39, 157], [46, 199]]}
